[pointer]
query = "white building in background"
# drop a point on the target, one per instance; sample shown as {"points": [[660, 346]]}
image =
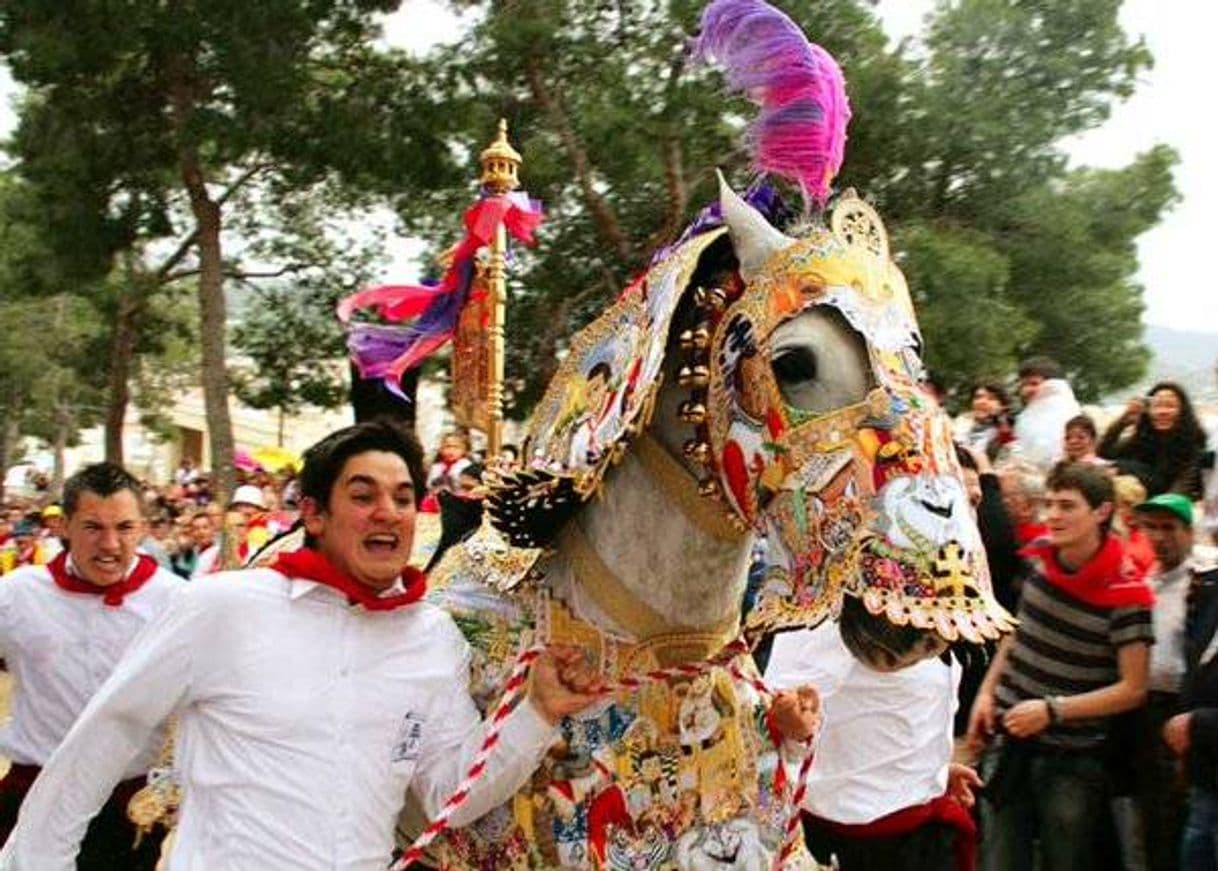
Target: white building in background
{"points": [[152, 456]]}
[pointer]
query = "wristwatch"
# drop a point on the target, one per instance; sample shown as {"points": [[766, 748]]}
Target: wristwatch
{"points": [[1054, 704]]}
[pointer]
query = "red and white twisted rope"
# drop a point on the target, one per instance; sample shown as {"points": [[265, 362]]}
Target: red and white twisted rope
{"points": [[513, 689], [791, 838]]}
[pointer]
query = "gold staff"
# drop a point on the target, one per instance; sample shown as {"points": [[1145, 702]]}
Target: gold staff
{"points": [[500, 165]]}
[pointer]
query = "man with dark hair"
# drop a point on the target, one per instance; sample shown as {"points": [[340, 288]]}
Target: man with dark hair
{"points": [[197, 559], [311, 695], [1167, 522], [63, 628], [1079, 656]]}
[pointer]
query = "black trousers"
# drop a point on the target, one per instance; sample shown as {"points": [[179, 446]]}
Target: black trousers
{"points": [[929, 848], [109, 843]]}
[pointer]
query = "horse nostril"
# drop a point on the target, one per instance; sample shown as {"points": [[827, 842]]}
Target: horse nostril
{"points": [[944, 511]]}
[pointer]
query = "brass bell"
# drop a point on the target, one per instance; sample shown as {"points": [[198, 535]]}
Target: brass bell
{"points": [[700, 338], [686, 340], [699, 376], [716, 299], [685, 376], [698, 451], [709, 488], [693, 412]]}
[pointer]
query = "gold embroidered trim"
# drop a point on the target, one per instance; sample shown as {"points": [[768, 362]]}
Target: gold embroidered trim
{"points": [[617, 602], [680, 488], [617, 659]]}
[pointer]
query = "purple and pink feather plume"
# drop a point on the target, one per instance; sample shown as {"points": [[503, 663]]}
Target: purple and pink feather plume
{"points": [[801, 131]]}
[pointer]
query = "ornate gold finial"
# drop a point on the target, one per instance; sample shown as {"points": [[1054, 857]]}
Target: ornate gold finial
{"points": [[500, 163]]}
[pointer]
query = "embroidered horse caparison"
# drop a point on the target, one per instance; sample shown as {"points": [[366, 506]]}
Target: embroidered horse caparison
{"points": [[751, 382]]}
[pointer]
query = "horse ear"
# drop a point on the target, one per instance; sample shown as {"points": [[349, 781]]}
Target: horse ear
{"points": [[752, 235]]}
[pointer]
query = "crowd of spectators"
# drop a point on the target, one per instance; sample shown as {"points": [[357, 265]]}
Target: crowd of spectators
{"points": [[191, 533], [1098, 735]]}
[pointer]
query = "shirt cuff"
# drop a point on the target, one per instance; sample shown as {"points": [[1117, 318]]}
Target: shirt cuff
{"points": [[526, 731]]}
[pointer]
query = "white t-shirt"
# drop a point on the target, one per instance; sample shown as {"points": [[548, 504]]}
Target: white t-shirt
{"points": [[303, 721], [886, 737], [60, 647]]}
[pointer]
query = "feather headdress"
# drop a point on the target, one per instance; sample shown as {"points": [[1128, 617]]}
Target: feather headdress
{"points": [[801, 131]]}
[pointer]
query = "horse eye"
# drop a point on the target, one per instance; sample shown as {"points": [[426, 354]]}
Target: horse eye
{"points": [[795, 365]]}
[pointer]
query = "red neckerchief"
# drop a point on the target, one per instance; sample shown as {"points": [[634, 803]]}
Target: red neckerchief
{"points": [[1026, 533], [145, 568], [1110, 579], [309, 565]]}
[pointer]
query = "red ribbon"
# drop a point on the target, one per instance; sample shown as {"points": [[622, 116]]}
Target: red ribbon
{"points": [[112, 595], [307, 564]]}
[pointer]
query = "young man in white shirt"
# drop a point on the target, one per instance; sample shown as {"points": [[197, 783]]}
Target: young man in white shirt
{"points": [[883, 794], [311, 695], [63, 627]]}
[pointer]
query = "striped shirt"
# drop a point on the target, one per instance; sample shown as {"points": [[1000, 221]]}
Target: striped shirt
{"points": [[1064, 646]]}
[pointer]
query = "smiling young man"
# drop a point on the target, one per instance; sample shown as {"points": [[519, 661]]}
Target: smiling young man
{"points": [[311, 695], [1080, 655], [63, 626]]}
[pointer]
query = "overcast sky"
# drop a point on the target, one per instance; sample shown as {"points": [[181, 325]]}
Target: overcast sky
{"points": [[1170, 106]]}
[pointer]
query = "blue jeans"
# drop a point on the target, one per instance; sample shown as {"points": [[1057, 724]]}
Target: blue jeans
{"points": [[1199, 845], [1042, 802]]}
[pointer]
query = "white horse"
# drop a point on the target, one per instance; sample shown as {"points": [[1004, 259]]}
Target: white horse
{"points": [[788, 394]]}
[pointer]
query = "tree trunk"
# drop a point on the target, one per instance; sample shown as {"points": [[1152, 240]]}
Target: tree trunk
{"points": [[212, 317], [63, 429], [279, 435], [603, 216], [9, 434], [122, 352]]}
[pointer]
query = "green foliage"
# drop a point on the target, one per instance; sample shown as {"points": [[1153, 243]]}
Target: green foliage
{"points": [[956, 138], [171, 129], [293, 353], [960, 286]]}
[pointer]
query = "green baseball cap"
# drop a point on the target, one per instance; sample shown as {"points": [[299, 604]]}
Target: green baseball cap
{"points": [[1175, 503]]}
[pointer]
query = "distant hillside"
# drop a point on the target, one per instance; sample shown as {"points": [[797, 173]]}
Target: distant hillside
{"points": [[1185, 356]]}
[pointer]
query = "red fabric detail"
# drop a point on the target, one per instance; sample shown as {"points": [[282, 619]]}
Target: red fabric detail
{"points": [[737, 474], [113, 595], [607, 809], [780, 774], [774, 423], [310, 565], [1026, 533], [1110, 579], [943, 809], [1137, 545]]}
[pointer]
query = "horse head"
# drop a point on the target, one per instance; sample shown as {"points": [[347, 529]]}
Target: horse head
{"points": [[796, 359], [820, 434]]}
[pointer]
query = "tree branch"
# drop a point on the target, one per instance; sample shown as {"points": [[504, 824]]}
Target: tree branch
{"points": [[602, 215], [241, 274], [164, 274]]}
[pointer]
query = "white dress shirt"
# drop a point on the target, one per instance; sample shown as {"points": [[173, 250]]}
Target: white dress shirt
{"points": [[885, 740], [303, 722], [60, 647]]}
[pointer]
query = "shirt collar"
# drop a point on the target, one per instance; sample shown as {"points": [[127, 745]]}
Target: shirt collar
{"points": [[71, 564], [301, 587]]}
